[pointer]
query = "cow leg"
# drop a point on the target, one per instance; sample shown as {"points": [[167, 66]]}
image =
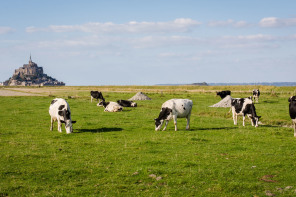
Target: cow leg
{"points": [[294, 124], [59, 126], [234, 116], [165, 125], [51, 124], [253, 123], [91, 98], [249, 116], [188, 122], [175, 122], [244, 120]]}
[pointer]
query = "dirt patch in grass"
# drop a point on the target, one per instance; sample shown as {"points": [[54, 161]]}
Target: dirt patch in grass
{"points": [[4, 92]]}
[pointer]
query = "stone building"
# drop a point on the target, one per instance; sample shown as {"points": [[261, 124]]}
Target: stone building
{"points": [[31, 75]]}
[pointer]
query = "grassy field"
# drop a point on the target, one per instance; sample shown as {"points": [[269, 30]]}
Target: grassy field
{"points": [[120, 154]]}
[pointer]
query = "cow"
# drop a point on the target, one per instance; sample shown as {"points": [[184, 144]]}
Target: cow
{"points": [[223, 94], [292, 111], [243, 107], [256, 94], [59, 110], [125, 103], [110, 106], [96, 95], [173, 109]]}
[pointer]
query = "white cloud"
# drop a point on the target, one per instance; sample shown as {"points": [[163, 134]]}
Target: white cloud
{"points": [[228, 22], [249, 41], [165, 41], [6, 30], [256, 37], [277, 22], [178, 25]]}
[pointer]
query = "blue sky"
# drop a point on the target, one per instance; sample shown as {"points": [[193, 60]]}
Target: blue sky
{"points": [[147, 42]]}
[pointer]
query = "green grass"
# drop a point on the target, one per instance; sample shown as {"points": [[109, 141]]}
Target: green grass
{"points": [[120, 154]]}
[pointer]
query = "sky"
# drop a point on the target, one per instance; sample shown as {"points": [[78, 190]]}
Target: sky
{"points": [[148, 42]]}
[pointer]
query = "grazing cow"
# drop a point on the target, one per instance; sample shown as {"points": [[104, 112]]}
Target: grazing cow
{"points": [[256, 94], [59, 110], [125, 103], [96, 95], [243, 107], [292, 111], [110, 106], [173, 109], [223, 94]]}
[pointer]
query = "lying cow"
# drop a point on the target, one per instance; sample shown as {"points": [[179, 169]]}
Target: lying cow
{"points": [[173, 109], [223, 94], [110, 106], [256, 94], [243, 107], [292, 111], [59, 110], [125, 103], [96, 95]]}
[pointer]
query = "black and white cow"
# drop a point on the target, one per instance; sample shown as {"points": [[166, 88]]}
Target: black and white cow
{"points": [[96, 95], [243, 107], [292, 111], [223, 94], [110, 106], [256, 94], [125, 103], [173, 109], [59, 110]]}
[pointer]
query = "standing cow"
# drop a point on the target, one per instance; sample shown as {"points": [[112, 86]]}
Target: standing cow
{"points": [[96, 95], [292, 111], [59, 110], [243, 107], [223, 93], [256, 94], [173, 109]]}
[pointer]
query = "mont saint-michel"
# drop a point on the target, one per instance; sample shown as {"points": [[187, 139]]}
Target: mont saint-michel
{"points": [[31, 75]]}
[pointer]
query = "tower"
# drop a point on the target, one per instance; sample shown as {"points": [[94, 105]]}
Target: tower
{"points": [[30, 61]]}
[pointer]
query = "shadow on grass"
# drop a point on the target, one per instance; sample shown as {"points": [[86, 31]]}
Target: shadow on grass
{"points": [[271, 126], [99, 130], [268, 102], [216, 128]]}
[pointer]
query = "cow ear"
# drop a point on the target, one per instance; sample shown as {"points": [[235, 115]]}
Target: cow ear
{"points": [[259, 117], [62, 121], [290, 99], [74, 121], [61, 113]]}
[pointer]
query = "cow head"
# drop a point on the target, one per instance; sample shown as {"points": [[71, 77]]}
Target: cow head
{"points": [[67, 120], [164, 114], [103, 104], [133, 104], [255, 120], [292, 98], [158, 124], [100, 104]]}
